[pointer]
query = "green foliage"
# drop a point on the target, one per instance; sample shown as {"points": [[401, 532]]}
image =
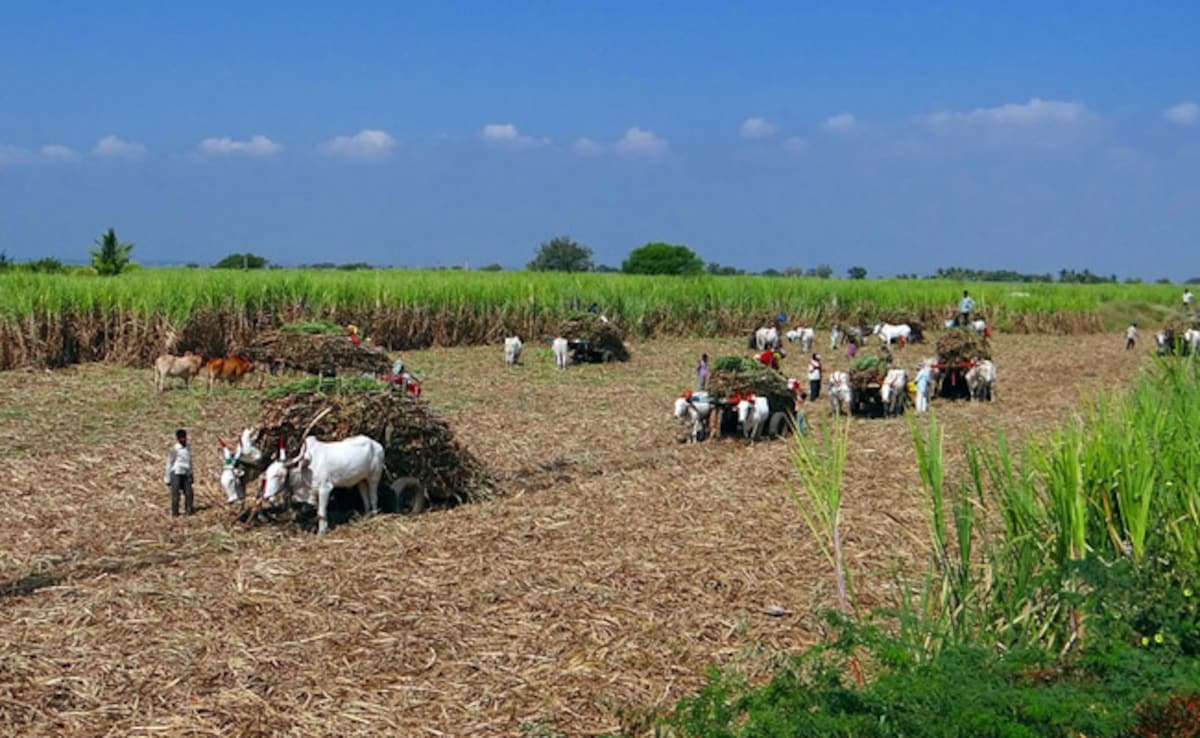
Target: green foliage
{"points": [[4, 262], [312, 327], [517, 297], [329, 386], [964, 690], [961, 274], [856, 272], [821, 271], [734, 364], [1060, 600], [110, 257], [561, 254], [718, 270], [45, 265], [662, 258], [242, 261], [493, 267]]}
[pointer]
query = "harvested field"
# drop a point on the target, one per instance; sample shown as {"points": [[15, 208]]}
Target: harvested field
{"points": [[613, 566]]}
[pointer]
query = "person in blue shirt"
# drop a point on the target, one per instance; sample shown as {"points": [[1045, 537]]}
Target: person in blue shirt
{"points": [[924, 377]]}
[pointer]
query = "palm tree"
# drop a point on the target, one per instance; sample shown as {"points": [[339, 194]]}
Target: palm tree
{"points": [[111, 257]]}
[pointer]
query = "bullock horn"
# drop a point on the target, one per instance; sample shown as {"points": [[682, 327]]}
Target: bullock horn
{"points": [[282, 450]]}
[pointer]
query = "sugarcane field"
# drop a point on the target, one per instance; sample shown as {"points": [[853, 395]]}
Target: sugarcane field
{"points": [[558, 545]]}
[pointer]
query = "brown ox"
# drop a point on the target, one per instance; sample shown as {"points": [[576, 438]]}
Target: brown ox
{"points": [[167, 366], [230, 368]]}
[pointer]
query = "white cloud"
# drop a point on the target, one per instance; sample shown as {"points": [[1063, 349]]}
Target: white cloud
{"points": [[758, 128], [588, 147], [795, 145], [1035, 112], [366, 145], [1183, 114], [58, 152], [257, 146], [637, 143], [506, 134], [112, 147], [1046, 125], [841, 123], [13, 155]]}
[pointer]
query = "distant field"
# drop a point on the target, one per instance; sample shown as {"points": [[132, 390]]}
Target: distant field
{"points": [[61, 319]]}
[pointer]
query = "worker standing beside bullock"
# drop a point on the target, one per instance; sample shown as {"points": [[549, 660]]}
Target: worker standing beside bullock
{"points": [[178, 476], [702, 373], [923, 380]]}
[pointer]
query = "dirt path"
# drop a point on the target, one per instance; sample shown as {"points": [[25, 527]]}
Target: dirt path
{"points": [[613, 567]]}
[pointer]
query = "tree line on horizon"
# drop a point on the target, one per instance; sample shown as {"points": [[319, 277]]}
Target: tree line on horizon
{"points": [[110, 257]]}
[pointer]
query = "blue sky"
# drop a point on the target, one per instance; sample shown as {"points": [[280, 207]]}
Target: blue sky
{"points": [[897, 136]]}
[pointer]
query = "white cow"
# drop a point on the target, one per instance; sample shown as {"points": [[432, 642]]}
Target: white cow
{"points": [[804, 335], [839, 392], [752, 413], [167, 366], [893, 391], [512, 350], [1191, 339], [234, 464], [322, 467], [888, 332], [559, 347], [766, 338], [981, 380], [694, 410]]}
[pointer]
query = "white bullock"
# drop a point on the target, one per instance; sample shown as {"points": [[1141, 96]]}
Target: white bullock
{"points": [[981, 380], [694, 410], [839, 392], [888, 332], [893, 391], [323, 467], [804, 335], [752, 414], [559, 347], [1191, 339], [766, 338], [512, 350], [234, 464]]}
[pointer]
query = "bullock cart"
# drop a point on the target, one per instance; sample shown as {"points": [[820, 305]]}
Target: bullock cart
{"points": [[593, 339], [735, 378], [424, 465], [866, 385], [957, 351]]}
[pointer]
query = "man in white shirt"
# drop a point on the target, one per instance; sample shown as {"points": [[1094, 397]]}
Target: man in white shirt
{"points": [[178, 476]]}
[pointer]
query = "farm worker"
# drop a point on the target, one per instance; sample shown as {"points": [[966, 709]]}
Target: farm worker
{"points": [[801, 420], [702, 372], [924, 376], [1130, 336], [965, 307], [834, 334], [1188, 297], [178, 475], [851, 349], [814, 377], [769, 358]]}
